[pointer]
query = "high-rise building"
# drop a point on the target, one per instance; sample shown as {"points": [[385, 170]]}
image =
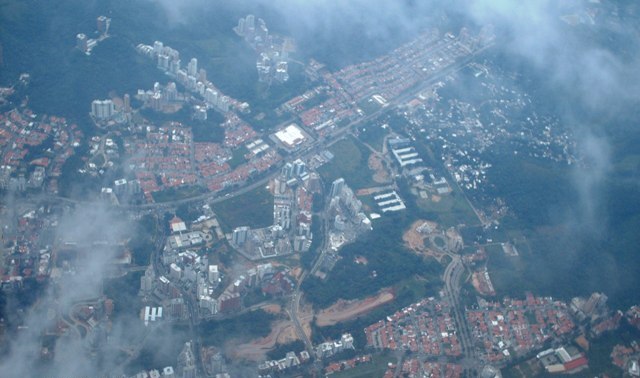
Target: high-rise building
{"points": [[120, 186], [262, 32], [146, 281], [171, 92], [202, 75], [211, 97], [250, 23], [163, 62], [133, 186], [214, 274], [298, 243], [263, 65], [240, 235], [240, 27], [82, 42], [279, 186], [282, 216], [174, 66], [102, 109], [191, 82], [103, 24], [595, 303], [287, 171], [155, 101], [175, 272], [127, 103], [168, 372], [336, 187], [192, 67], [223, 104], [299, 167], [158, 47], [282, 72]]}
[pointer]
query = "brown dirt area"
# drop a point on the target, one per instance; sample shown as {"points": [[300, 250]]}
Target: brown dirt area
{"points": [[281, 332], [345, 310], [380, 174], [583, 342], [476, 283], [369, 191], [415, 241], [296, 272], [272, 308]]}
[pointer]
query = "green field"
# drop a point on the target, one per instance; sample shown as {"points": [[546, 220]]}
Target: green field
{"points": [[452, 210], [369, 105], [237, 157], [178, 193], [386, 255], [351, 162], [253, 209], [373, 135], [375, 368]]}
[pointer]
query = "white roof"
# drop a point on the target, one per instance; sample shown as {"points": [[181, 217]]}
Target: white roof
{"points": [[178, 227], [290, 135]]}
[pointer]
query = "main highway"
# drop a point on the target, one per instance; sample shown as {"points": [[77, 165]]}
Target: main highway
{"points": [[453, 276], [309, 150]]}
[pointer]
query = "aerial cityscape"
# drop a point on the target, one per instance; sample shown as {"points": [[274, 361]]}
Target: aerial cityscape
{"points": [[319, 189]]}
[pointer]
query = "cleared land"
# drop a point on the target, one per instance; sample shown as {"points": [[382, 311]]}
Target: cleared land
{"points": [[346, 310], [281, 333], [414, 240], [381, 174]]}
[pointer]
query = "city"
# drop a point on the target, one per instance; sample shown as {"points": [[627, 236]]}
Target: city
{"points": [[363, 233]]}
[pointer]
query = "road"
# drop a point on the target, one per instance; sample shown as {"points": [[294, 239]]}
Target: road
{"points": [[312, 148], [452, 280], [453, 272]]}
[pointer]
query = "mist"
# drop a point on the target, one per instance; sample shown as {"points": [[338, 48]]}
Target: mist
{"points": [[597, 80], [584, 65], [95, 231]]}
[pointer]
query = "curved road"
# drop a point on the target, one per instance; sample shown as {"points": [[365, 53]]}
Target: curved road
{"points": [[452, 280]]}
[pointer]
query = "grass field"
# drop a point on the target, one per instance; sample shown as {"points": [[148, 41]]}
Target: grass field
{"points": [[237, 157], [253, 209], [351, 162], [369, 105], [373, 135], [451, 210], [173, 194], [375, 368]]}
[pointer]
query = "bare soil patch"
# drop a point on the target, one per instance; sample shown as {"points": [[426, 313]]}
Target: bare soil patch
{"points": [[345, 310], [414, 240], [256, 350], [380, 175]]}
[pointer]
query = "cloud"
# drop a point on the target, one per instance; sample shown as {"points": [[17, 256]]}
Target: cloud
{"points": [[96, 230], [573, 61], [589, 179], [594, 74]]}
